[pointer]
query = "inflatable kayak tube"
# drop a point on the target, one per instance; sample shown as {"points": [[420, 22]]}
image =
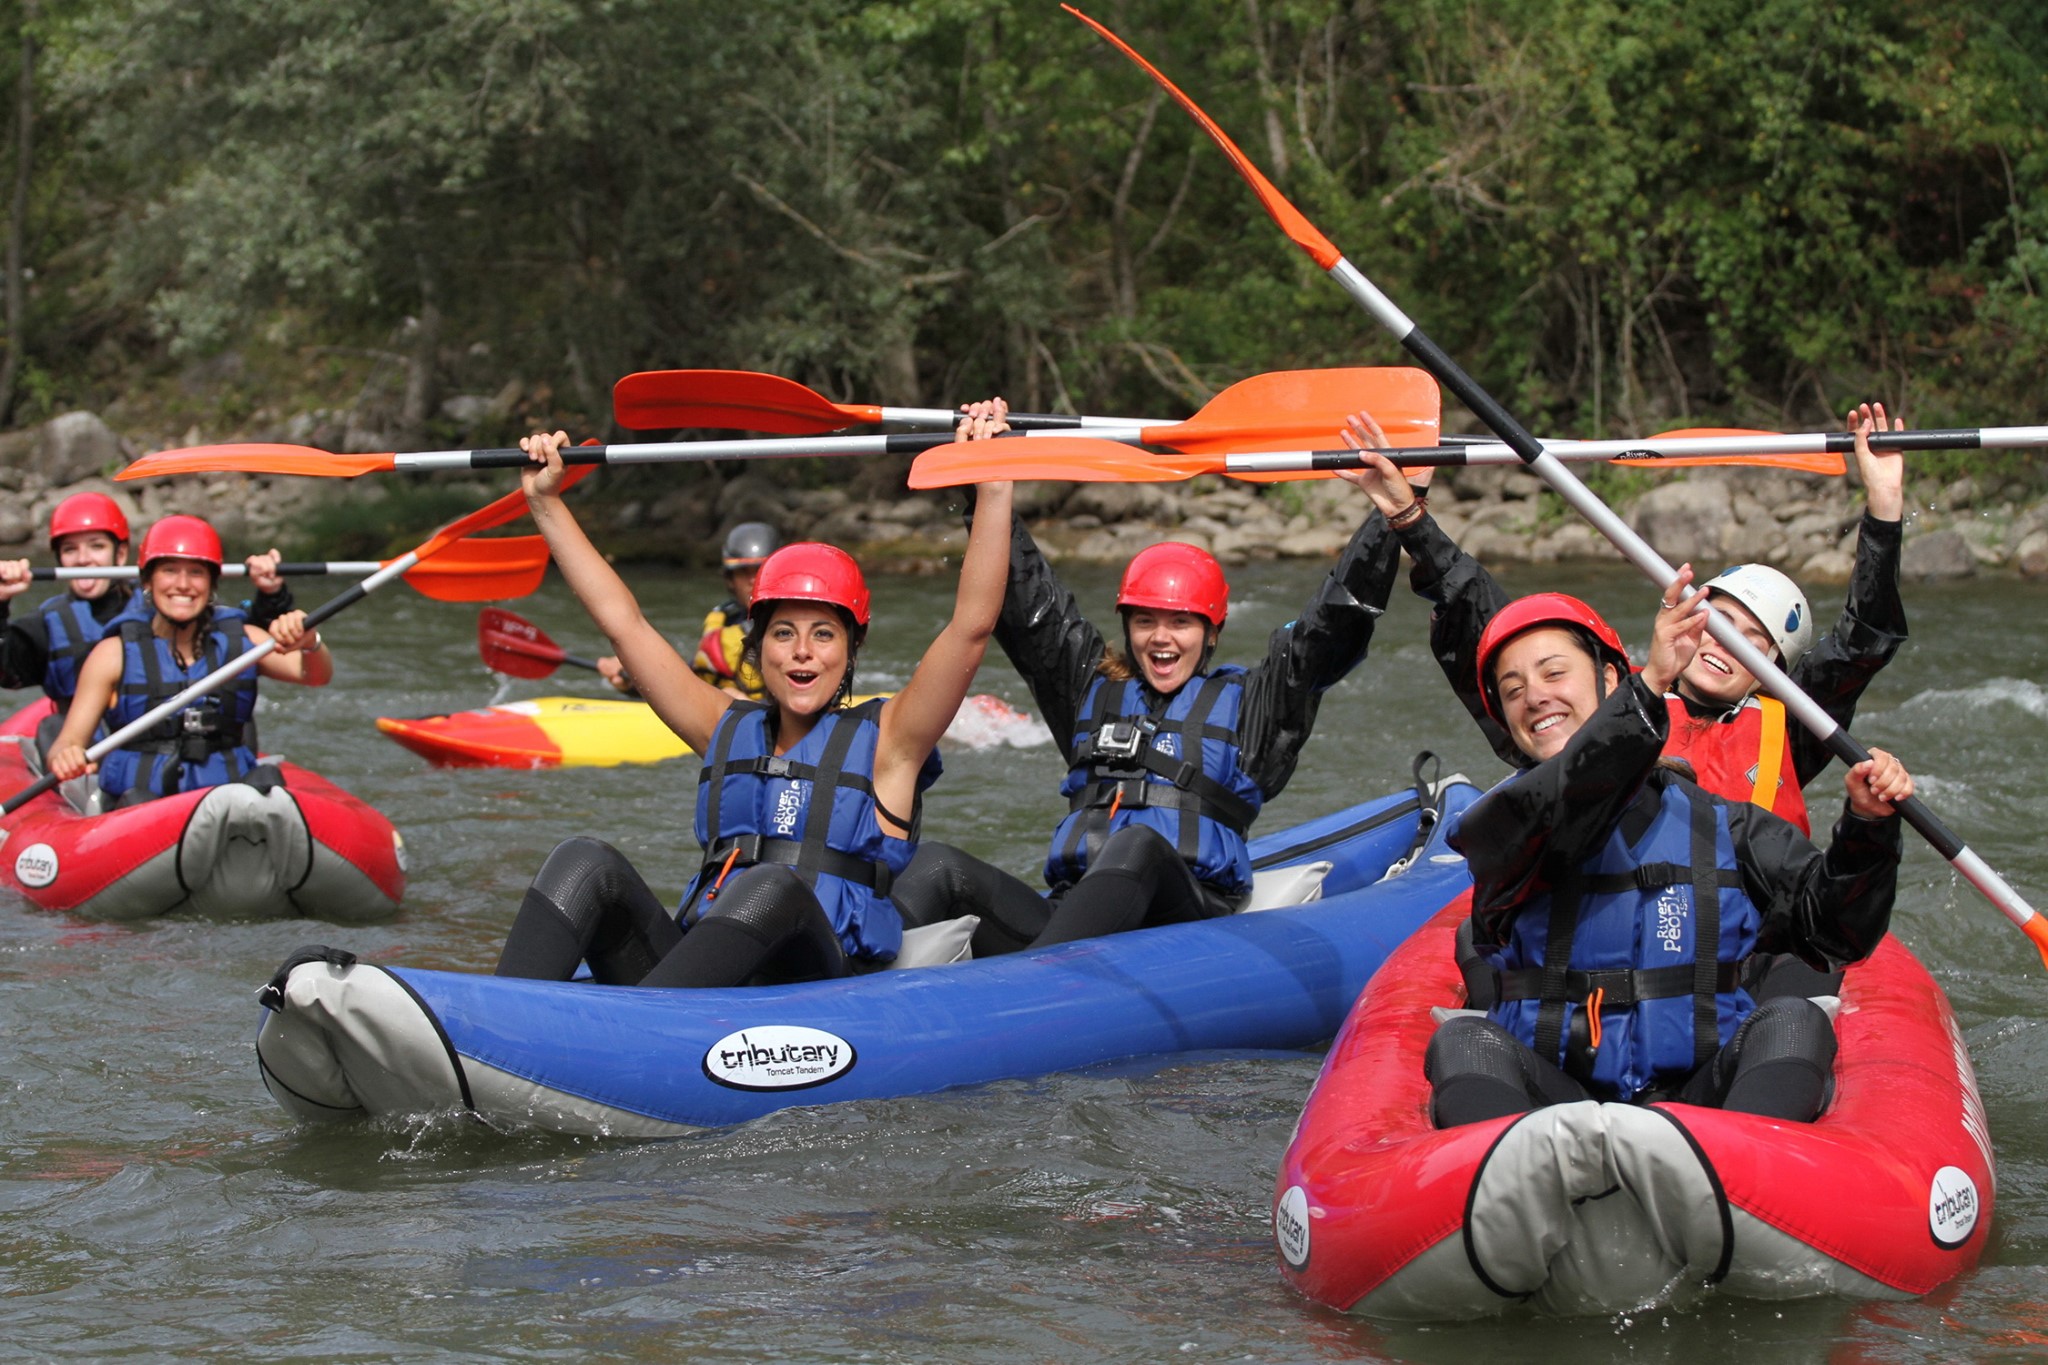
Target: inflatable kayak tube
{"points": [[341, 1038], [1605, 1208], [306, 848], [584, 732]]}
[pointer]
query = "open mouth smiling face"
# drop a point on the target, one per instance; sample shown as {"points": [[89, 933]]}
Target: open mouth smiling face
{"points": [[804, 656], [1166, 646]]}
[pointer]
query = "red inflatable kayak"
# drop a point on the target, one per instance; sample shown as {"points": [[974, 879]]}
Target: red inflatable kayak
{"points": [[1601, 1208], [307, 848]]}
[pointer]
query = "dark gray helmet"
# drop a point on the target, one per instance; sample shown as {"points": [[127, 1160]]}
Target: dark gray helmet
{"points": [[749, 543]]}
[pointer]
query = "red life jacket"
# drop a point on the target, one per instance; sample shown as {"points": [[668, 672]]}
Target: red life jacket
{"points": [[1746, 757]]}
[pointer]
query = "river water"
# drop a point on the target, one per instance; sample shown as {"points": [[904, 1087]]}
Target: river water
{"points": [[155, 1203]]}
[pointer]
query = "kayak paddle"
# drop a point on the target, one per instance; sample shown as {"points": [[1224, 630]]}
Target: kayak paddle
{"points": [[515, 646], [468, 571], [1082, 459], [1264, 412], [1554, 472], [747, 400]]}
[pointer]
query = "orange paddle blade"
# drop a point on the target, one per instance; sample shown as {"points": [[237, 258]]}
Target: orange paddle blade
{"points": [[481, 570], [656, 400], [1304, 233], [1073, 459], [256, 457], [1305, 410], [1804, 462]]}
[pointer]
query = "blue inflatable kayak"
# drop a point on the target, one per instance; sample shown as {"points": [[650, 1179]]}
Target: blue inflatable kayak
{"points": [[342, 1039]]}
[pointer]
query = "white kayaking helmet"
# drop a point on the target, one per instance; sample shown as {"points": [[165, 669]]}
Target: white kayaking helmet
{"points": [[1776, 602]]}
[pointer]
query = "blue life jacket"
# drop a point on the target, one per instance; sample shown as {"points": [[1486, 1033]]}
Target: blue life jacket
{"points": [[71, 630], [1133, 767], [1600, 974], [755, 806], [199, 746]]}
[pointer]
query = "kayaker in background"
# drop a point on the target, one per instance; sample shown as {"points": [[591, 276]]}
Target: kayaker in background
{"points": [[48, 646], [1170, 756], [1598, 870], [807, 808], [721, 648], [174, 634], [1737, 741]]}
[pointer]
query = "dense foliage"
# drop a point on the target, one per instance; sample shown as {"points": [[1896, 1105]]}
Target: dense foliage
{"points": [[1620, 213]]}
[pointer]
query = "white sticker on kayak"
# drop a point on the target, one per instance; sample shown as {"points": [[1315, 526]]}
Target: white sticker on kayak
{"points": [[778, 1057], [36, 865], [398, 850], [1951, 1207], [1290, 1226]]}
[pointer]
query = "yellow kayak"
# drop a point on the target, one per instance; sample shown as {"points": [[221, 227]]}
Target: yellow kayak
{"points": [[586, 732]]}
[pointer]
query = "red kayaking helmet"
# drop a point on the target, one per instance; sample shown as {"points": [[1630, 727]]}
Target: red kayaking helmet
{"points": [[88, 512], [809, 571], [1525, 614], [181, 537], [1172, 576]]}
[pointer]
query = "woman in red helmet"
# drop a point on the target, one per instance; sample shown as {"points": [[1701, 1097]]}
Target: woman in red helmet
{"points": [[1615, 902], [1170, 756], [174, 634], [48, 646], [807, 809]]}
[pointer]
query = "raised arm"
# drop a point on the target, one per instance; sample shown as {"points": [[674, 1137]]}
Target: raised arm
{"points": [[1872, 628], [686, 703], [915, 717], [1313, 652], [1053, 647]]}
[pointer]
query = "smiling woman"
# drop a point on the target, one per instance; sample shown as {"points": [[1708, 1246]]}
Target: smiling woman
{"points": [[807, 808]]}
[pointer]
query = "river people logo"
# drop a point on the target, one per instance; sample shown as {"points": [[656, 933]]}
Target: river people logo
{"points": [[36, 865], [778, 1057]]}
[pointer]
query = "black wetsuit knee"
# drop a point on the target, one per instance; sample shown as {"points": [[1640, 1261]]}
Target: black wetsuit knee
{"points": [[1780, 1063], [588, 903], [1135, 879], [944, 882], [1477, 1070], [765, 927]]}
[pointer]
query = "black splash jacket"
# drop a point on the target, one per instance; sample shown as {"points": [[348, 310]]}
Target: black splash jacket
{"points": [[1829, 908]]}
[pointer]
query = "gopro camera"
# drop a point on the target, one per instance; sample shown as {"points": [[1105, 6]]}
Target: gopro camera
{"points": [[1122, 738]]}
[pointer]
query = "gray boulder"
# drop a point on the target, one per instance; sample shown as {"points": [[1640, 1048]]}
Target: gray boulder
{"points": [[1939, 554], [77, 445], [1686, 520]]}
